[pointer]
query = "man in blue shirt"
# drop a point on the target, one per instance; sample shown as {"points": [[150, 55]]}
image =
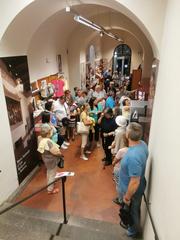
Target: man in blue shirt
{"points": [[132, 182], [110, 103]]}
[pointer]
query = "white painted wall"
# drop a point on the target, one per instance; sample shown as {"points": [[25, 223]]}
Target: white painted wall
{"points": [[165, 132], [49, 41], [8, 176], [148, 15]]}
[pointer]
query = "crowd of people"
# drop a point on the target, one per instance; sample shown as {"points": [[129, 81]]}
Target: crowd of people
{"points": [[101, 115]]}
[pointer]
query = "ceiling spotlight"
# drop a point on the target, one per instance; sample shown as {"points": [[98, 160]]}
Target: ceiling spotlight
{"points": [[16, 74], [10, 65], [68, 9]]}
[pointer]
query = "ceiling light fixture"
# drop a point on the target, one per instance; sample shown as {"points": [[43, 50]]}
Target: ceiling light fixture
{"points": [[96, 27], [87, 23]]}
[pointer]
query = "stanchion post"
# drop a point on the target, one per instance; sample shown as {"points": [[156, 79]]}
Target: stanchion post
{"points": [[64, 199]]}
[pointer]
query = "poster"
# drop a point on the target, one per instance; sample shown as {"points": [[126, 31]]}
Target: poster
{"points": [[16, 84]]}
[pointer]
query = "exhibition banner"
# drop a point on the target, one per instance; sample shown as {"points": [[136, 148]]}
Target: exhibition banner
{"points": [[16, 84]]}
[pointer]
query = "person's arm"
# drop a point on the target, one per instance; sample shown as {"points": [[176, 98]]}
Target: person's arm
{"points": [[111, 133], [135, 172], [54, 149], [99, 100], [132, 188], [126, 108], [100, 119], [85, 120], [116, 160]]}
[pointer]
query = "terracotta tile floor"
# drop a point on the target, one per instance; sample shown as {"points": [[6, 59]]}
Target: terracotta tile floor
{"points": [[89, 193]]}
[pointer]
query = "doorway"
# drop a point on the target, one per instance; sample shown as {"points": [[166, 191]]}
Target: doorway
{"points": [[122, 60]]}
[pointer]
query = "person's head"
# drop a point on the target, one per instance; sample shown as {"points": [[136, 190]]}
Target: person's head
{"points": [[121, 88], [62, 99], [85, 107], [79, 93], [98, 88], [117, 111], [121, 121], [108, 113], [84, 94], [111, 84], [46, 131], [92, 103], [45, 117], [134, 132], [88, 87], [126, 102], [111, 93], [75, 90], [67, 93], [117, 100], [49, 106]]}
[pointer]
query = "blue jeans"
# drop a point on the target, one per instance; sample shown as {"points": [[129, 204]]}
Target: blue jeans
{"points": [[116, 179], [136, 214]]}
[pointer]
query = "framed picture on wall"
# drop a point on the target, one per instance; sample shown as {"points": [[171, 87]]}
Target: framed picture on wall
{"points": [[59, 62], [14, 111]]}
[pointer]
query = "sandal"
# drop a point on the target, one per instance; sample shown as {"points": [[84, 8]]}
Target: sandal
{"points": [[54, 191]]}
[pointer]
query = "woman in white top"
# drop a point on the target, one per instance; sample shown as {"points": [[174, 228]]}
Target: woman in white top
{"points": [[126, 109]]}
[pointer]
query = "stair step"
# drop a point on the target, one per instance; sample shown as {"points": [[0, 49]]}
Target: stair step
{"points": [[28, 224], [38, 213], [102, 226], [12, 232], [77, 233]]}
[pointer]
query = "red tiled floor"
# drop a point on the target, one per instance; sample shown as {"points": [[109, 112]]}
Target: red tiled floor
{"points": [[89, 193]]}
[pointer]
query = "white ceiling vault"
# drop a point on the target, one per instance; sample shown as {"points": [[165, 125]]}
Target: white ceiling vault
{"points": [[20, 32]]}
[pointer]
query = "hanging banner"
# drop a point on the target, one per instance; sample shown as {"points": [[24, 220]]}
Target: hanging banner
{"points": [[16, 83]]}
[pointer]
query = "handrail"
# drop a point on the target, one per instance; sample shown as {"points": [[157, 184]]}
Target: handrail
{"points": [[151, 219], [63, 178]]}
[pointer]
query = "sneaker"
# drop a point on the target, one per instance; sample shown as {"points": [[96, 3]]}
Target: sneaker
{"points": [[63, 146], [88, 152], [66, 143], [98, 144], [107, 163], [84, 158], [131, 232], [116, 200]]}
